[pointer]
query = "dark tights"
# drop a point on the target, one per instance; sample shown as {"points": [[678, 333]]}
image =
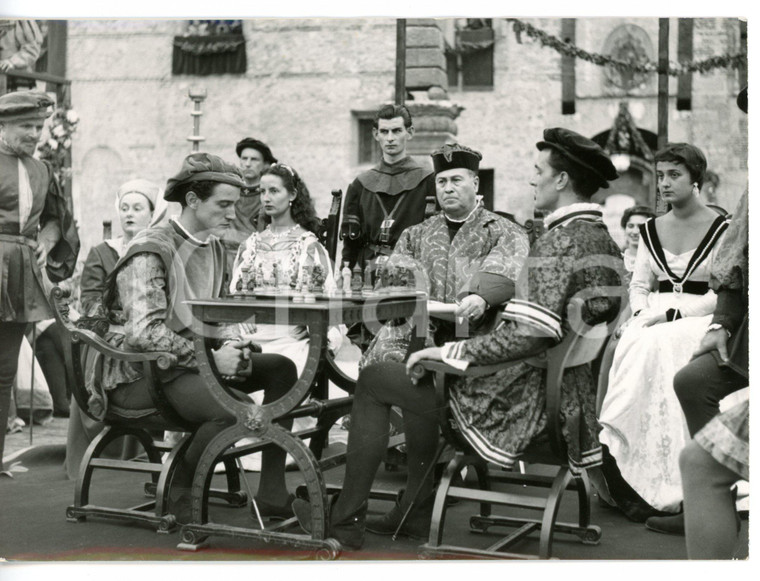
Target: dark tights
{"points": [[379, 387], [49, 353], [700, 385], [190, 397], [709, 511], [11, 335]]}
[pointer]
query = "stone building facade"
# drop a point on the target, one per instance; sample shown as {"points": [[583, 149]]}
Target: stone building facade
{"points": [[309, 86]]}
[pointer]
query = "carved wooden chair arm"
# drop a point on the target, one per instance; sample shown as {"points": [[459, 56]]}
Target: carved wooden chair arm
{"points": [[164, 360], [420, 369]]}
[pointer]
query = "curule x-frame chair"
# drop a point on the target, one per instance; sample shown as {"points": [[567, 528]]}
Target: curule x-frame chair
{"points": [[120, 423], [580, 345]]}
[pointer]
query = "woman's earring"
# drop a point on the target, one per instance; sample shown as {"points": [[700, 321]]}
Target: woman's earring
{"points": [[290, 203], [695, 190]]}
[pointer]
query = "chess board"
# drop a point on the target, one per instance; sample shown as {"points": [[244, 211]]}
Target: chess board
{"points": [[298, 296]]}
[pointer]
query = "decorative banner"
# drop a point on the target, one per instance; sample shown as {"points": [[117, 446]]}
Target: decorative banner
{"points": [[728, 61]]}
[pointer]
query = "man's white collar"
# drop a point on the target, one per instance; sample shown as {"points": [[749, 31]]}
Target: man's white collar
{"points": [[581, 209], [190, 237], [467, 217]]}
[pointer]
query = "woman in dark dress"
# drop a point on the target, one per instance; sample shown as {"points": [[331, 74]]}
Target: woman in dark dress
{"points": [[139, 204]]}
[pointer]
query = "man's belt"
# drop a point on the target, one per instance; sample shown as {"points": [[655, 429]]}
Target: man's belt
{"points": [[692, 287], [18, 239], [13, 228]]}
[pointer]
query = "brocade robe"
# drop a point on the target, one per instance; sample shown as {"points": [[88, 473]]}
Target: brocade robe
{"points": [[501, 414], [730, 281], [485, 257], [162, 267]]}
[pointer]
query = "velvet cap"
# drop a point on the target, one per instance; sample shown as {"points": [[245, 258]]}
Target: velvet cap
{"points": [[203, 167], [25, 105], [455, 156], [260, 146], [581, 151]]}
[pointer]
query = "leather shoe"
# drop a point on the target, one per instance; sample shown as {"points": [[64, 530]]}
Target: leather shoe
{"points": [[676, 525], [639, 512], [349, 532], [417, 523], [667, 525]]}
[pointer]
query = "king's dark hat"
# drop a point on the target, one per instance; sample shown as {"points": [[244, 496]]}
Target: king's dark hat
{"points": [[260, 146], [25, 105], [455, 156], [203, 167], [580, 151]]}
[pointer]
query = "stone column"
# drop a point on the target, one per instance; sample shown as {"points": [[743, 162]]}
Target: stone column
{"points": [[433, 113]]}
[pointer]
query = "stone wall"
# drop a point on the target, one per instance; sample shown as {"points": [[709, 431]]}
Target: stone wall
{"points": [[506, 122], [305, 76]]}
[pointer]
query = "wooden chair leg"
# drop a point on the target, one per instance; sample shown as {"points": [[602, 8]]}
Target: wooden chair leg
{"points": [[439, 506], [561, 480], [584, 500], [481, 469]]}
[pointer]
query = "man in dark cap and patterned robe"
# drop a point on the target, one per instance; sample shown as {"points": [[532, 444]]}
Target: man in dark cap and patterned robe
{"points": [[36, 229], [383, 201], [501, 413], [254, 157], [464, 254]]}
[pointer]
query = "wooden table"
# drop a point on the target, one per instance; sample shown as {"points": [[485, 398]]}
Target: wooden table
{"points": [[259, 421]]}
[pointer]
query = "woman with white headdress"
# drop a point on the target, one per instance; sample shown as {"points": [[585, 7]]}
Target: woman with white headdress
{"points": [[140, 204]]}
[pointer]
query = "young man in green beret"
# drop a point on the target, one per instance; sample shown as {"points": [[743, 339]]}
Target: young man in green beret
{"points": [[162, 268], [36, 229]]}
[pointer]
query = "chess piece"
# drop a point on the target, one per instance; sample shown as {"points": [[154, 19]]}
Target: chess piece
{"points": [[338, 282], [258, 278], [357, 280], [307, 284], [346, 275], [276, 277], [317, 279], [367, 288]]}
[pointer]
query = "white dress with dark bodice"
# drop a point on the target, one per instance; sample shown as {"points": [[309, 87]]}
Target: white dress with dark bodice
{"points": [[641, 417]]}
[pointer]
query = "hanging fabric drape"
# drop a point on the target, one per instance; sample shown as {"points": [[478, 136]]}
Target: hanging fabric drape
{"points": [[209, 55]]}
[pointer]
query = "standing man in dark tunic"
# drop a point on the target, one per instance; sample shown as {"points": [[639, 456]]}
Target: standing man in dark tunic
{"points": [[36, 229], [390, 197], [254, 157]]}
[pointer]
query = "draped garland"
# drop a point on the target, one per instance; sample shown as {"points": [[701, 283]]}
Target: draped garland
{"points": [[728, 61], [63, 125]]}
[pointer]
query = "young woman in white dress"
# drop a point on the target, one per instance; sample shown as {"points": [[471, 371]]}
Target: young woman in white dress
{"points": [[288, 243], [643, 426]]}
